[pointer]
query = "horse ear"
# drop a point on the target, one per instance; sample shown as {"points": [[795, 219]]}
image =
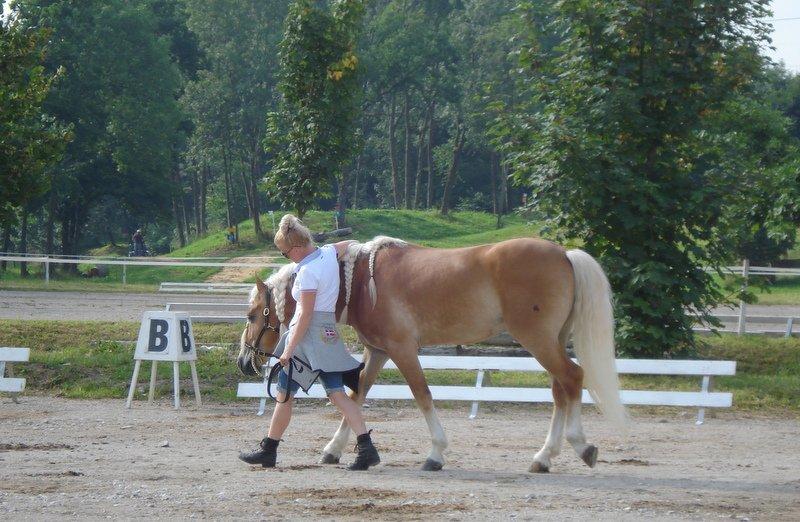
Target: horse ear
{"points": [[262, 288]]}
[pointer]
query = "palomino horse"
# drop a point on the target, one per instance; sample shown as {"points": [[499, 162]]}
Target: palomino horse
{"points": [[399, 297]]}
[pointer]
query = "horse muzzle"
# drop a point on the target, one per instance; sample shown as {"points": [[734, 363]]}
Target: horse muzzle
{"points": [[245, 367]]}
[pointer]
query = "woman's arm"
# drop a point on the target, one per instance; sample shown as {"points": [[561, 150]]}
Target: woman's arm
{"points": [[307, 300], [341, 247]]}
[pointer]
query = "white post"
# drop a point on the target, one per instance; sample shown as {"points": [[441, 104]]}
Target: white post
{"points": [[478, 384], [151, 394], [789, 325], [47, 270], [262, 404], [705, 387], [133, 382], [742, 305], [176, 384], [196, 384]]}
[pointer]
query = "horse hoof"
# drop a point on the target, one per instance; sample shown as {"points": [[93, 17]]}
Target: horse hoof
{"points": [[432, 465], [589, 455], [538, 467], [327, 458]]}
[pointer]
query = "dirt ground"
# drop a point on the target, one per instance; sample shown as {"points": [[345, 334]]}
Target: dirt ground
{"points": [[235, 274], [94, 459]]}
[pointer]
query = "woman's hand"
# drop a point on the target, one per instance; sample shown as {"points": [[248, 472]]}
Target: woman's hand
{"points": [[285, 358]]}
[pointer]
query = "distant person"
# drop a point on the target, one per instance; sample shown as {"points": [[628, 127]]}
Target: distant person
{"points": [[231, 234], [138, 243]]}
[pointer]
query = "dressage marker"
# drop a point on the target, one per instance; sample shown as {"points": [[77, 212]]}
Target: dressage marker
{"points": [[10, 384], [165, 336]]}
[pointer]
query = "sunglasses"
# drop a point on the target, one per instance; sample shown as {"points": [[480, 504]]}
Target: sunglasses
{"points": [[286, 254]]}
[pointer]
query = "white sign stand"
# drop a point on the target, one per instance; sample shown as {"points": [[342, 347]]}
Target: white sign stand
{"points": [[165, 336]]}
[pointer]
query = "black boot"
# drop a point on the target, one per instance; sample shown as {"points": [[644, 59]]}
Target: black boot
{"points": [[266, 455], [367, 454]]}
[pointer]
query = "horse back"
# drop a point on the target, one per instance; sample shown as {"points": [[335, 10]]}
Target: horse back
{"points": [[460, 294]]}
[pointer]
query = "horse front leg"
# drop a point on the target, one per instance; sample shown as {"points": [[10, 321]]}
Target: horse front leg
{"points": [[409, 366], [373, 362]]}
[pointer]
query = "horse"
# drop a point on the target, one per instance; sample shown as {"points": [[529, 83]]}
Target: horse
{"points": [[399, 297]]}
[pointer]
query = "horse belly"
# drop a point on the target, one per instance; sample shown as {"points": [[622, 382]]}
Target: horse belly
{"points": [[464, 314]]}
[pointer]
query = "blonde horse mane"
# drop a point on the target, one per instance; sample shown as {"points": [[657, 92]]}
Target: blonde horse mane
{"points": [[349, 258], [279, 281], [276, 284]]}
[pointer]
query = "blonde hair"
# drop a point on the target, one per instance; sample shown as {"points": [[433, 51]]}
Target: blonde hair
{"points": [[292, 233]]}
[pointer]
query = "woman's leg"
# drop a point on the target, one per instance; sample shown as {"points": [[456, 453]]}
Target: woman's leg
{"points": [[350, 410], [281, 416]]}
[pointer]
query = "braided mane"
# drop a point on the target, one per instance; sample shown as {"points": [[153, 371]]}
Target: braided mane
{"points": [[279, 281]]}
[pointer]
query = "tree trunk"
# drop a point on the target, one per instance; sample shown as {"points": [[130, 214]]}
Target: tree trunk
{"points": [[355, 182], [204, 198], [23, 242], [186, 222], [198, 226], [227, 174], [255, 169], [406, 155], [418, 171], [429, 202], [503, 188], [6, 244], [458, 144], [392, 153], [176, 210], [50, 225], [493, 181]]}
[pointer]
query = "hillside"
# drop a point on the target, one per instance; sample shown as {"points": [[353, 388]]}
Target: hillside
{"points": [[425, 228], [421, 227]]}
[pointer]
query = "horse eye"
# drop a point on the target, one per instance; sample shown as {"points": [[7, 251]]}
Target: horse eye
{"points": [[251, 318]]}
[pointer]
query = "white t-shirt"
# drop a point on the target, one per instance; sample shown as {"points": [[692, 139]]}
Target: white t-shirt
{"points": [[318, 271]]}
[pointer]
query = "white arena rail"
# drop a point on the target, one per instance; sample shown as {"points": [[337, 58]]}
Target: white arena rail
{"points": [[483, 365], [206, 288], [10, 384], [201, 312]]}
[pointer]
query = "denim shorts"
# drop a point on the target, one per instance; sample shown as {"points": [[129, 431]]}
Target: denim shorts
{"points": [[331, 381]]}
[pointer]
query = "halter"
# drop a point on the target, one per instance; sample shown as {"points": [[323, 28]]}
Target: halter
{"points": [[254, 347]]}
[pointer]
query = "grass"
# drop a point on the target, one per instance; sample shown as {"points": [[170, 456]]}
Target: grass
{"points": [[79, 360], [426, 228]]}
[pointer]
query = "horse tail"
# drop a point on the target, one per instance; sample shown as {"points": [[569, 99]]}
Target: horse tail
{"points": [[593, 335]]}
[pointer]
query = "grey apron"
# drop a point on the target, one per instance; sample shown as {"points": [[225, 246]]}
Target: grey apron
{"points": [[321, 350]]}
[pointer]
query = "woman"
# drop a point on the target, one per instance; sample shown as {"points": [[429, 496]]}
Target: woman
{"points": [[314, 339]]}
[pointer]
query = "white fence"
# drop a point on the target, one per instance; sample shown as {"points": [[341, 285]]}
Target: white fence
{"points": [[125, 262], [483, 365]]}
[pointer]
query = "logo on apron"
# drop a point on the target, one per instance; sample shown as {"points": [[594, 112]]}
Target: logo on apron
{"points": [[329, 335]]}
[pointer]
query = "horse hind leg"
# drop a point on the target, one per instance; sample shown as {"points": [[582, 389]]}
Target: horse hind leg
{"points": [[552, 445], [373, 362], [567, 392]]}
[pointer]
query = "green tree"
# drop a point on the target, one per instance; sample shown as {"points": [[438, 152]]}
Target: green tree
{"points": [[240, 41], [608, 142], [30, 140], [313, 133], [118, 92]]}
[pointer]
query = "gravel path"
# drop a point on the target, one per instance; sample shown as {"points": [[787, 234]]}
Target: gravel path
{"points": [[94, 459], [94, 306], [129, 307]]}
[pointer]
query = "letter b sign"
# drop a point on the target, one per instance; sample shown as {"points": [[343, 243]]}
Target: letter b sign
{"points": [[166, 336]]}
